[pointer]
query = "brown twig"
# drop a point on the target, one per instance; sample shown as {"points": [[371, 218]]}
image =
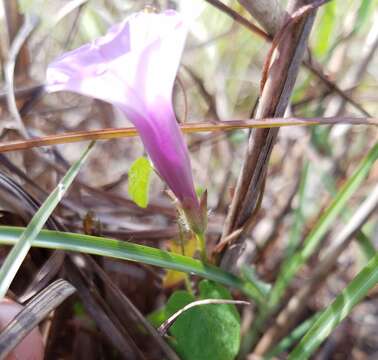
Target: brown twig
{"points": [[106, 134], [205, 94], [279, 84], [291, 21], [240, 19], [308, 61], [316, 69]]}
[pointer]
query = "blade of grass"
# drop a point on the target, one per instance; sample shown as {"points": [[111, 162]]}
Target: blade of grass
{"points": [[323, 225], [366, 245], [132, 252], [363, 14], [17, 255], [299, 258], [337, 311], [296, 305], [295, 234], [293, 337], [325, 29], [363, 241]]}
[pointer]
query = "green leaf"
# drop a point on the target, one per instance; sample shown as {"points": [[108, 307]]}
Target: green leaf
{"points": [[139, 181], [133, 252], [299, 221], [210, 332], [17, 255], [157, 317], [366, 279]]}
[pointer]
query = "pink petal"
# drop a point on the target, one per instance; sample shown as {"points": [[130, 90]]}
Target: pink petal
{"points": [[134, 67]]}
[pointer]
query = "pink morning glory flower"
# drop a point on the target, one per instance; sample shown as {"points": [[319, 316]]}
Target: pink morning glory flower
{"points": [[134, 67]]}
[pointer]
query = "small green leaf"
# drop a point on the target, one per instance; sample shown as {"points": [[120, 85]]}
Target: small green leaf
{"points": [[139, 181], [199, 191], [210, 332]]}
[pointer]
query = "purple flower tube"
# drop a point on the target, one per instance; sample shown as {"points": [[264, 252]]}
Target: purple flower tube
{"points": [[134, 67]]}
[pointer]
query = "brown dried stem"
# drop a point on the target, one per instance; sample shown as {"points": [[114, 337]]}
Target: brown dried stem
{"points": [[313, 66], [283, 71], [211, 126]]}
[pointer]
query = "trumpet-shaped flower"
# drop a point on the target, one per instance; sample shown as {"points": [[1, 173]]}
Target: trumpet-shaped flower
{"points": [[134, 67]]}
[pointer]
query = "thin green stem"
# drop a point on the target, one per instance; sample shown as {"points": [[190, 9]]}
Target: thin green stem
{"points": [[202, 246]]}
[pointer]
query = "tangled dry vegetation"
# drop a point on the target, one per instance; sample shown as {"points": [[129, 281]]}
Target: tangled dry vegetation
{"points": [[291, 208]]}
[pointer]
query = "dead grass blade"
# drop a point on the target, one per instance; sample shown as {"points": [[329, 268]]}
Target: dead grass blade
{"points": [[44, 275], [108, 322], [112, 133], [33, 313], [20, 201], [96, 307], [25, 31], [129, 313]]}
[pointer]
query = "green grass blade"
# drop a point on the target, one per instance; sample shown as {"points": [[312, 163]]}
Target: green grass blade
{"points": [[366, 245], [337, 311], [325, 29], [132, 252], [296, 230], [323, 225], [363, 14], [17, 255], [292, 338]]}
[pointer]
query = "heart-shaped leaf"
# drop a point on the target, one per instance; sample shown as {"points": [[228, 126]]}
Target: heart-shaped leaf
{"points": [[211, 331]]}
